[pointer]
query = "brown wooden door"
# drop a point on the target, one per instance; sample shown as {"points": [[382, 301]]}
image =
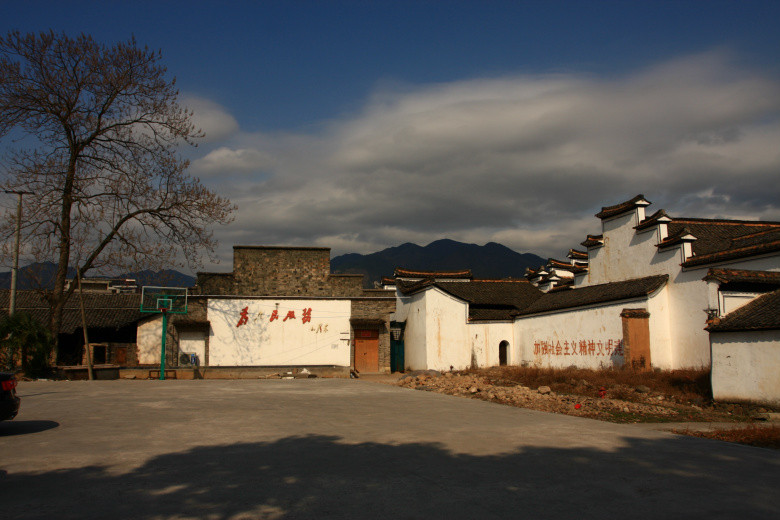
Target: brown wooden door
{"points": [[121, 356], [636, 338], [367, 350]]}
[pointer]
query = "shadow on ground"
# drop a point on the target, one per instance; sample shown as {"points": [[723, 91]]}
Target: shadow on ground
{"points": [[321, 477], [24, 427]]}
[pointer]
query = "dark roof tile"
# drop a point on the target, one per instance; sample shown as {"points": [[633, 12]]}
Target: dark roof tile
{"points": [[102, 310], [409, 273], [763, 313], [623, 207], [594, 294]]}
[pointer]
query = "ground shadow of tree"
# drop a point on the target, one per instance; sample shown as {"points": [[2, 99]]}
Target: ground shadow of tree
{"points": [[322, 477]]}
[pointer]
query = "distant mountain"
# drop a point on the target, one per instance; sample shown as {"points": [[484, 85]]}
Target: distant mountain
{"points": [[489, 261], [41, 276]]}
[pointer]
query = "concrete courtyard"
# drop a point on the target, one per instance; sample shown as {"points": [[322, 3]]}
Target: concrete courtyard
{"points": [[336, 448]]}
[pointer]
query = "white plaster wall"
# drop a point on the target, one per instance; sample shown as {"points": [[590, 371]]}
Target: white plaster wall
{"points": [[413, 310], [193, 342], [438, 335], [627, 254], [485, 337], [324, 340], [661, 355], [744, 366], [546, 340], [148, 341], [688, 298], [731, 301]]}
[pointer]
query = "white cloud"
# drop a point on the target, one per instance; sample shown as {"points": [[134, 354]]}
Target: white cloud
{"points": [[524, 160], [214, 120], [223, 161]]}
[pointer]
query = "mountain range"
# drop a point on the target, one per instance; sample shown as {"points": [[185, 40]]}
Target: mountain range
{"points": [[489, 261], [41, 275]]}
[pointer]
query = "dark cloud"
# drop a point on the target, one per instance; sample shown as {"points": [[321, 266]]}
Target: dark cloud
{"points": [[524, 160]]}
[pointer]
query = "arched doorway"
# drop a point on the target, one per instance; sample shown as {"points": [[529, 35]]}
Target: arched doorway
{"points": [[503, 352]]}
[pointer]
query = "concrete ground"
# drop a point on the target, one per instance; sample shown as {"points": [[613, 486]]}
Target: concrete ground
{"points": [[340, 448]]}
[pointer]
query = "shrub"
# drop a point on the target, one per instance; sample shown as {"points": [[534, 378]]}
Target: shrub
{"points": [[25, 342]]}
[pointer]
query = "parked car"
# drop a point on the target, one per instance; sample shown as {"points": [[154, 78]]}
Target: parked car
{"points": [[9, 401]]}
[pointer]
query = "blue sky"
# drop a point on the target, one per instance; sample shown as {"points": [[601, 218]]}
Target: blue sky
{"points": [[362, 125]]}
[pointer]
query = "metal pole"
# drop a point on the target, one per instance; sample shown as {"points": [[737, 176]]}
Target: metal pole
{"points": [[162, 348], [15, 270]]}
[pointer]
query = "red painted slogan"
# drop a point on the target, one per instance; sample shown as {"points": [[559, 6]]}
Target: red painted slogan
{"points": [[243, 318], [583, 347]]}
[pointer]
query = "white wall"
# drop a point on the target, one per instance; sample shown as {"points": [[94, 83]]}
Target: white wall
{"points": [[438, 335], [414, 311], [261, 341], [661, 340], [546, 339], [148, 340], [193, 342], [744, 366]]}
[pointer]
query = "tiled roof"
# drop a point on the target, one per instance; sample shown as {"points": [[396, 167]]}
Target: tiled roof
{"points": [[617, 209], [593, 294], [763, 313], [743, 276], [652, 220], [487, 299], [593, 241], [721, 240], [576, 254], [408, 273], [386, 280], [102, 310], [682, 235]]}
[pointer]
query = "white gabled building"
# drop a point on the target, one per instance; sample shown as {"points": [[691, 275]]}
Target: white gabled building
{"points": [[643, 292]]}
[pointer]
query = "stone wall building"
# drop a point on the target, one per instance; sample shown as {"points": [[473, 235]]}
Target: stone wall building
{"points": [[280, 309]]}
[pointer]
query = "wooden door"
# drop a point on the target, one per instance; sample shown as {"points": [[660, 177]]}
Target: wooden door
{"points": [[636, 338], [121, 356], [367, 350]]}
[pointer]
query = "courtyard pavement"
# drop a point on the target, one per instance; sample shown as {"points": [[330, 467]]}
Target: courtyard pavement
{"points": [[340, 448]]}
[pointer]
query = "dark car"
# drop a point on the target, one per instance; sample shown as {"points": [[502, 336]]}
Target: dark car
{"points": [[9, 401]]}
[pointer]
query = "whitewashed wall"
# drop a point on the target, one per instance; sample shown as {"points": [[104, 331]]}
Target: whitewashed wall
{"points": [[193, 342], [264, 341], [438, 335], [546, 340], [148, 340], [661, 339], [744, 366]]}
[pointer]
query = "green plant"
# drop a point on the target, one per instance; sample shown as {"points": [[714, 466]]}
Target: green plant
{"points": [[24, 342]]}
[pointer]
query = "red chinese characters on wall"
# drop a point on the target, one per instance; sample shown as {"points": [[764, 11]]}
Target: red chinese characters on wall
{"points": [[274, 316], [244, 318], [579, 347]]}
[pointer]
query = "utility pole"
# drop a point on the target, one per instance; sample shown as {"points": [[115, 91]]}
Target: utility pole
{"points": [[15, 270]]}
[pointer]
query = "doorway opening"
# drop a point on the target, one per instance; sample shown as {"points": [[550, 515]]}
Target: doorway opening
{"points": [[503, 349]]}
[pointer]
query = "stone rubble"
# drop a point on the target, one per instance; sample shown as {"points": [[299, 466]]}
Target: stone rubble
{"points": [[542, 399]]}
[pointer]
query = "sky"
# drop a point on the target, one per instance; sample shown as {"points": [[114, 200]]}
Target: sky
{"points": [[363, 125]]}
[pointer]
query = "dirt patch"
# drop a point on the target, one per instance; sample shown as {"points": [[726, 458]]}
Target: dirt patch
{"points": [[617, 396]]}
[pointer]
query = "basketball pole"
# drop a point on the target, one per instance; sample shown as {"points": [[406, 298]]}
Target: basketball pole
{"points": [[162, 349]]}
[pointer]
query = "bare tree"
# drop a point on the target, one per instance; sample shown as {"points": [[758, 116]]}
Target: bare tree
{"points": [[92, 131]]}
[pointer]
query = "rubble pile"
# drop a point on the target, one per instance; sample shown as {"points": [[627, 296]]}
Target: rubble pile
{"points": [[542, 398]]}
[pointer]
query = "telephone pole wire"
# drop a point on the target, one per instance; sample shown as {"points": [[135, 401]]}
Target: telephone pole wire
{"points": [[15, 270]]}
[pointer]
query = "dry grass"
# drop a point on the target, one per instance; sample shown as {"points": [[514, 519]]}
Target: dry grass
{"points": [[760, 436], [678, 385]]}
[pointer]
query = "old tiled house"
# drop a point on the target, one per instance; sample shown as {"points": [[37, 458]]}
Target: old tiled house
{"points": [[652, 291]]}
